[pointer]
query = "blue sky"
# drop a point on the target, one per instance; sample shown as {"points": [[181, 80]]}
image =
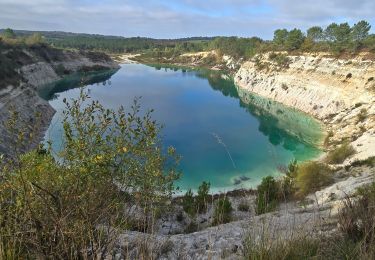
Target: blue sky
{"points": [[180, 18]]}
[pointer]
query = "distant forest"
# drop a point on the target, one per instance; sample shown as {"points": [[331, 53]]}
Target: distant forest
{"points": [[335, 39]]}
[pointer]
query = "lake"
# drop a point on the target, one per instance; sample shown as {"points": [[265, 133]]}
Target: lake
{"points": [[225, 135]]}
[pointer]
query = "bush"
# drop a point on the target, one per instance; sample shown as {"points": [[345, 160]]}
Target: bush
{"points": [[281, 59], [188, 203], [73, 207], [222, 212], [339, 155], [311, 176], [202, 197], [267, 195], [362, 115], [287, 183], [356, 222]]}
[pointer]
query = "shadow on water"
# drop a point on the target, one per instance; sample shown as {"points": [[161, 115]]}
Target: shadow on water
{"points": [[50, 91]]}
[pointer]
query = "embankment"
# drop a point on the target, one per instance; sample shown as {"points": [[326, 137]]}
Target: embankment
{"points": [[34, 67], [340, 93]]}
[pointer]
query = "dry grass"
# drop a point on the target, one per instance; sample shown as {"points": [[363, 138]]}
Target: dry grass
{"points": [[340, 154]]}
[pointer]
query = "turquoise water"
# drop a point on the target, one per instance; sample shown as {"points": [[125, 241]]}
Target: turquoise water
{"points": [[225, 136]]}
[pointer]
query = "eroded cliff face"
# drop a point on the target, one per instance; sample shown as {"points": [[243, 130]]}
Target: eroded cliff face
{"points": [[316, 85], [340, 93], [38, 67]]}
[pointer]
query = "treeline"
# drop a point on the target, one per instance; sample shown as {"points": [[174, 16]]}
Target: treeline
{"points": [[335, 38], [113, 44]]}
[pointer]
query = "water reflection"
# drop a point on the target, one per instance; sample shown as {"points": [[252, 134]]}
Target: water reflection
{"points": [[281, 124], [50, 91], [192, 104]]}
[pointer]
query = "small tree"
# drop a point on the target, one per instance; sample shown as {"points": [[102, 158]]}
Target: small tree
{"points": [[202, 197], [338, 35], [267, 195], [222, 212], [188, 203], [360, 31]]}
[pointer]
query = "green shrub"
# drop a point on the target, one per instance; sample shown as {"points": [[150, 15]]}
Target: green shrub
{"points": [[74, 207], [202, 197], [222, 212], [188, 203], [311, 176], [267, 195], [281, 59], [287, 183], [339, 155], [357, 223]]}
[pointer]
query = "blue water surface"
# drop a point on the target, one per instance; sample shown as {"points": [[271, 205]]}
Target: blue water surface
{"points": [[225, 135]]}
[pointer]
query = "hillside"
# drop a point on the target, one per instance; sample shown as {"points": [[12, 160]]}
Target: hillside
{"points": [[23, 70]]}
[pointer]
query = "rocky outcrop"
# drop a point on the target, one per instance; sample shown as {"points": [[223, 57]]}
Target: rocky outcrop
{"points": [[319, 86], [340, 93]]}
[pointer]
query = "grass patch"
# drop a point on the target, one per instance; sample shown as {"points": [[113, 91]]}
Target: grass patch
{"points": [[267, 247], [340, 154]]}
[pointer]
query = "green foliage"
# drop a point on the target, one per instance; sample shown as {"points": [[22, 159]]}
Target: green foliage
{"points": [[72, 207], [294, 40], [236, 47], [202, 197], [8, 34], [311, 176], [339, 36], [360, 31], [315, 33], [222, 211], [288, 182], [280, 36], [362, 116], [188, 203], [281, 59], [339, 155], [267, 195]]}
